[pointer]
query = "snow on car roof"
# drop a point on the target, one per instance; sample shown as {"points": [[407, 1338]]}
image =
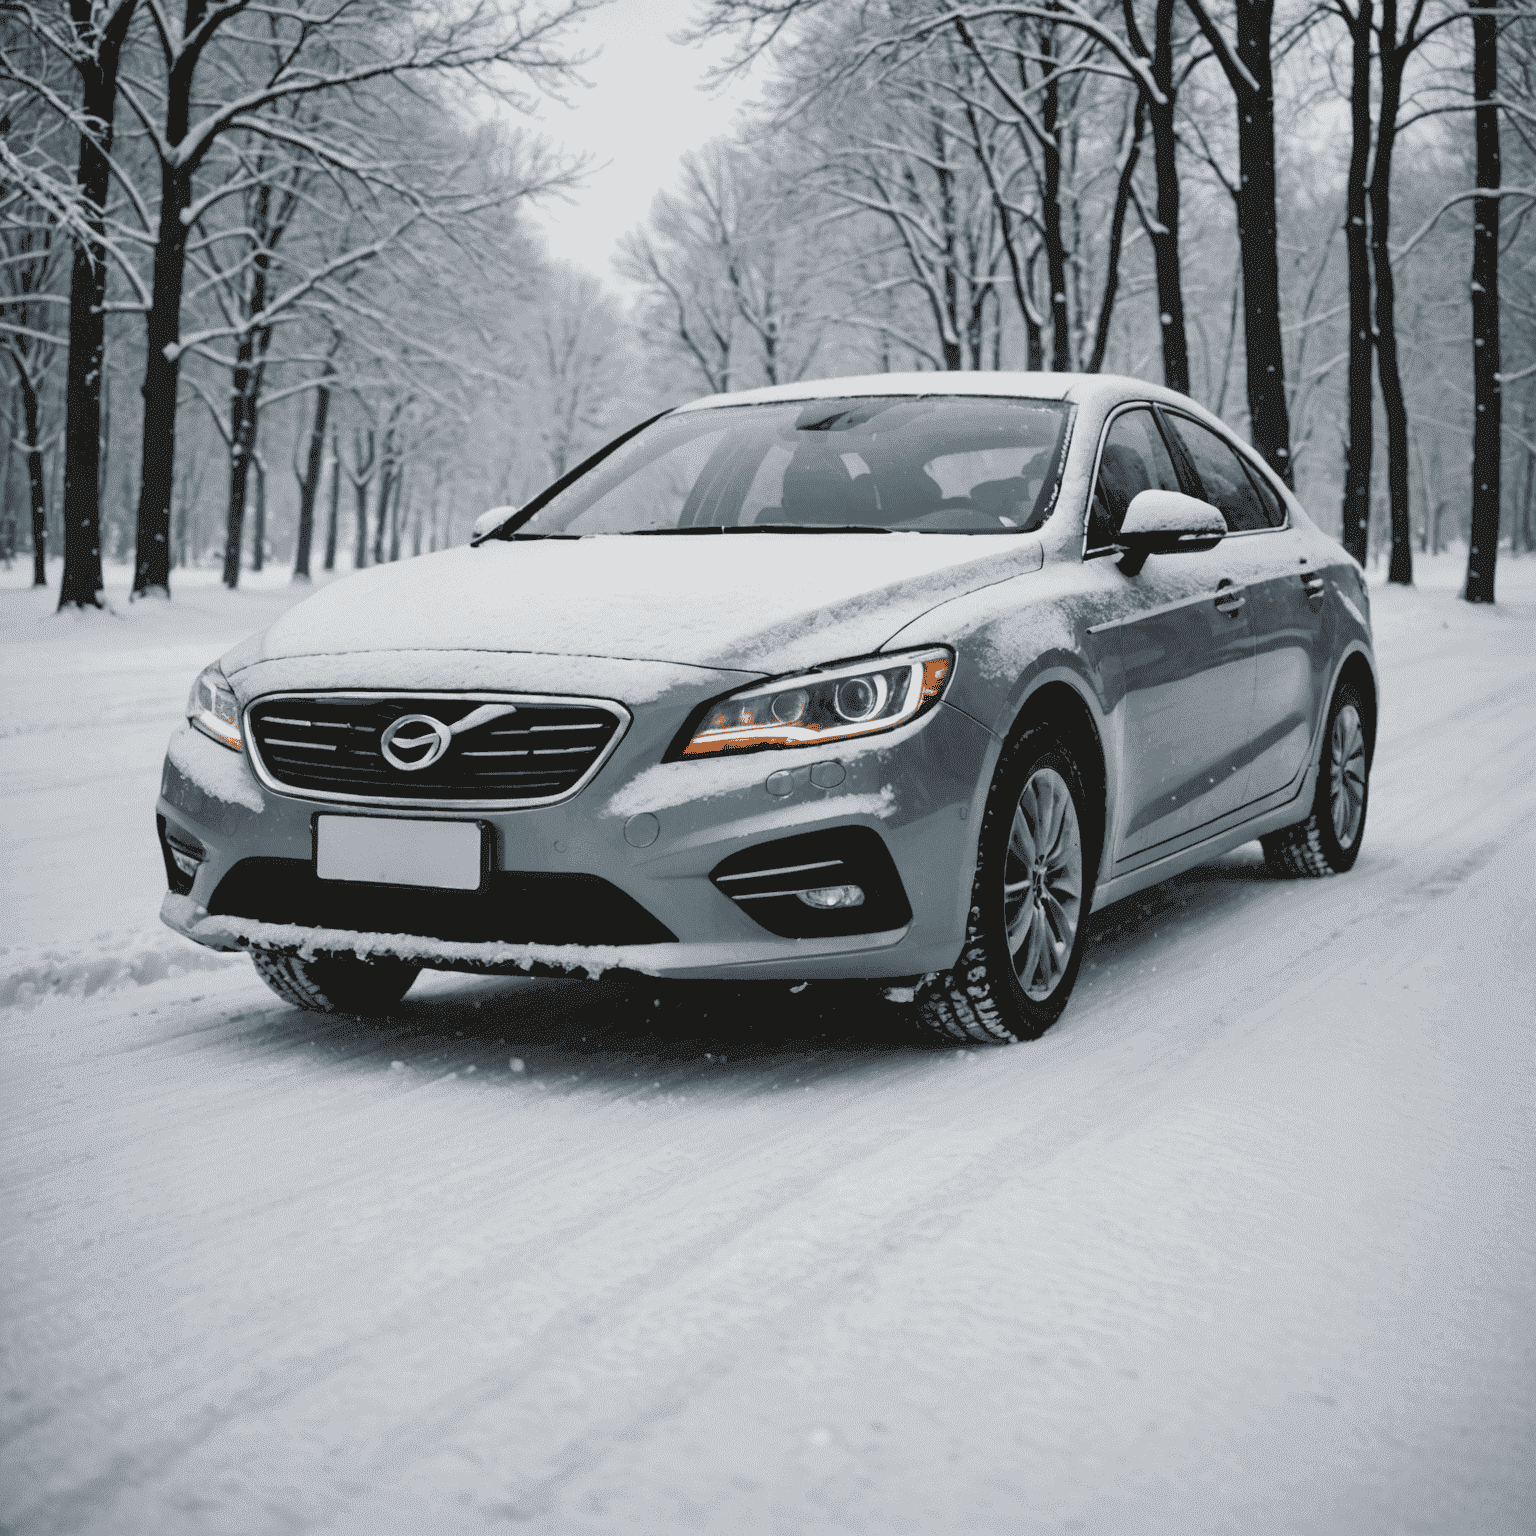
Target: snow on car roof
{"points": [[1080, 388]]}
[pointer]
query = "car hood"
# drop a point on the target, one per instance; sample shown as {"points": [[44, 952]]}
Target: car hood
{"points": [[765, 603]]}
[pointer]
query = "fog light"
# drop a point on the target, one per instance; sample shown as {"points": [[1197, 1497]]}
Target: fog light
{"points": [[826, 897], [186, 856]]}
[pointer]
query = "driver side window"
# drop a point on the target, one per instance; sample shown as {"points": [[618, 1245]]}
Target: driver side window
{"points": [[1134, 458]]}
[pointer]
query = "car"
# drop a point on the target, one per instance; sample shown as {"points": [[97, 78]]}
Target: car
{"points": [[888, 680]]}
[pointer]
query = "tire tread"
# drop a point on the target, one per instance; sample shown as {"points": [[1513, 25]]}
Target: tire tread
{"points": [[335, 986], [970, 1004]]}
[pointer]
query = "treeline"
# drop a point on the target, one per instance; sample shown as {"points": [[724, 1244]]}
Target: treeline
{"points": [[1299, 213], [267, 285], [267, 289]]}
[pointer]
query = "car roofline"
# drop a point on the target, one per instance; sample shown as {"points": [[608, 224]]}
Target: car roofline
{"points": [[1037, 386], [1104, 389]]}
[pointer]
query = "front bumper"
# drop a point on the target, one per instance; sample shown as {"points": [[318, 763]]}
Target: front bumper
{"points": [[921, 788]]}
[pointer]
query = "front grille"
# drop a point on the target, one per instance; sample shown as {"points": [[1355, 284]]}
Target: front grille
{"points": [[762, 881], [330, 745], [517, 909]]}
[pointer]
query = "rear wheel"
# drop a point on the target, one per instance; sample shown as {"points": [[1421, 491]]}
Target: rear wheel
{"points": [[336, 986], [1328, 841], [1029, 903]]}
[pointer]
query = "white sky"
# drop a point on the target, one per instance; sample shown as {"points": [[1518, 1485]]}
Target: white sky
{"points": [[646, 107]]}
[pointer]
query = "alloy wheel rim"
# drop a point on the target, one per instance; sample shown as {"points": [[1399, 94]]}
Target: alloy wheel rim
{"points": [[1347, 789], [1043, 883]]}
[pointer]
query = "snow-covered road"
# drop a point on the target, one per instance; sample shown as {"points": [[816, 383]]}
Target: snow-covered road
{"points": [[1246, 1243]]}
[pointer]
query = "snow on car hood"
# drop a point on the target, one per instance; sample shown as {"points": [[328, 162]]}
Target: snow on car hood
{"points": [[771, 602]]}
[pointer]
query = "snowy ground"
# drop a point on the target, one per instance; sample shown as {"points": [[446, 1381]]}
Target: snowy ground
{"points": [[1247, 1243]]}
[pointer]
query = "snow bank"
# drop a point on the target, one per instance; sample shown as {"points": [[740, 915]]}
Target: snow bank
{"points": [[26, 980]]}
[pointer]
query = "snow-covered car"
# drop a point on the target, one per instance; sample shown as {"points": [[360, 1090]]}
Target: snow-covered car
{"points": [[885, 678]]}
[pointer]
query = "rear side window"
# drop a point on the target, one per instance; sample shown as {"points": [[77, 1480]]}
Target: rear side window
{"points": [[1135, 458], [1224, 481], [1274, 508]]}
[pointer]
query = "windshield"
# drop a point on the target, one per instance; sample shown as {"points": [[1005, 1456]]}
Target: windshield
{"points": [[927, 464]]}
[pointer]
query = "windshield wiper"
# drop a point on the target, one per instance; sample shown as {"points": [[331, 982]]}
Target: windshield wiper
{"points": [[764, 528]]}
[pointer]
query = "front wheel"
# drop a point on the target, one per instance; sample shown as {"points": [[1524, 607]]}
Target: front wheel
{"points": [[1029, 903], [336, 986], [1328, 841]]}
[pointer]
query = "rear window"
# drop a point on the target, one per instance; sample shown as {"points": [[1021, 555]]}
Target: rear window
{"points": [[929, 464]]}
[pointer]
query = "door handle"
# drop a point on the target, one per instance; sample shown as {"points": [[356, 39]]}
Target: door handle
{"points": [[1229, 599]]}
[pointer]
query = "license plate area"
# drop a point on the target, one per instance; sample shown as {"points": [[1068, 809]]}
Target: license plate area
{"points": [[418, 853]]}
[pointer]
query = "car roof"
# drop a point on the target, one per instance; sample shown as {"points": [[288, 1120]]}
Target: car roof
{"points": [[1079, 388]]}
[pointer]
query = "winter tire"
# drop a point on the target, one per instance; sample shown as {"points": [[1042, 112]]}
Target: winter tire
{"points": [[1029, 902], [1328, 841], [336, 986]]}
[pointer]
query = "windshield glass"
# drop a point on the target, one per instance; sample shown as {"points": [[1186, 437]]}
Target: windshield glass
{"points": [[927, 464]]}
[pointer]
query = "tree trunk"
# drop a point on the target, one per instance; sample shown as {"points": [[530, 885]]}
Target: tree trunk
{"points": [[1268, 413], [1055, 251], [1116, 235], [1165, 242], [162, 364], [242, 437], [1356, 513], [34, 457], [360, 544], [381, 516], [259, 530], [1034, 332], [1527, 520], [1400, 570], [1483, 546], [331, 516], [97, 66], [395, 518], [360, 492], [309, 486]]}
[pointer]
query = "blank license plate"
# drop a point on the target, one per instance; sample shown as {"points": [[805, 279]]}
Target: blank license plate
{"points": [[446, 855]]}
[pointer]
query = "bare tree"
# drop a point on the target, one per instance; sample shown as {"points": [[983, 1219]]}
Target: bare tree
{"points": [[1249, 68], [581, 363], [29, 304], [1359, 445], [719, 263], [90, 35], [208, 86], [308, 477], [1487, 437], [335, 501]]}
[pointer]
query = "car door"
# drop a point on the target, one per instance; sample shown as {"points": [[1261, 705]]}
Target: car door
{"points": [[1285, 604], [1186, 651]]}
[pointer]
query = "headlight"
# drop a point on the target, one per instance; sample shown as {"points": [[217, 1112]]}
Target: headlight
{"points": [[830, 705], [211, 707]]}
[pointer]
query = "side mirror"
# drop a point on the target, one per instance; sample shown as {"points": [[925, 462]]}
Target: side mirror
{"points": [[1166, 523], [488, 522]]}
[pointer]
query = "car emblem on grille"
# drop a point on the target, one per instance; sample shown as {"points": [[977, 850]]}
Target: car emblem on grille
{"points": [[421, 750]]}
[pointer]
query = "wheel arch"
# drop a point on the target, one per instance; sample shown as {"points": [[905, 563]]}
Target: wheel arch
{"points": [[1356, 669], [1056, 703]]}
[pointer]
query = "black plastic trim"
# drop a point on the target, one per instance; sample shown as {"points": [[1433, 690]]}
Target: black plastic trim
{"points": [[517, 908], [842, 856]]}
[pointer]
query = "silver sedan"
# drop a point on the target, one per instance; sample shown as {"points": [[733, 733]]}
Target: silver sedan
{"points": [[889, 679]]}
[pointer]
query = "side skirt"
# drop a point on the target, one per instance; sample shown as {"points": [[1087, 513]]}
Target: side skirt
{"points": [[1211, 848]]}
